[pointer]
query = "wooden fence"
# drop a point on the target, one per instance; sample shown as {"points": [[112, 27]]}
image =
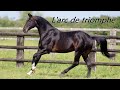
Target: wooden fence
{"points": [[20, 46]]}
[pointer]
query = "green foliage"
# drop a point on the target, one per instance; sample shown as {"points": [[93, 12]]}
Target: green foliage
{"points": [[6, 22], [24, 15], [107, 23], [37, 13]]}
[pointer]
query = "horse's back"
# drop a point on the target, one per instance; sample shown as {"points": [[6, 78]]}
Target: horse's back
{"points": [[69, 41]]}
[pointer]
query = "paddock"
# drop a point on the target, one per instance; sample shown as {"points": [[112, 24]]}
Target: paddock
{"points": [[20, 48], [20, 37]]}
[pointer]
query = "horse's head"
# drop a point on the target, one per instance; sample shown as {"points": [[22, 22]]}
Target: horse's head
{"points": [[30, 23], [35, 21]]}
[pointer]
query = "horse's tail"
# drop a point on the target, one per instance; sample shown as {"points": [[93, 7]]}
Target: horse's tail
{"points": [[103, 46]]}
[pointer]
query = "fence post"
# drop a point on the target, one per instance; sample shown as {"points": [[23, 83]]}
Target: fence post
{"points": [[112, 43], [20, 52], [92, 56]]}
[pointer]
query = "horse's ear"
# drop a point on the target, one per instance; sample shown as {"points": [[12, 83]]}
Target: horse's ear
{"points": [[30, 15]]}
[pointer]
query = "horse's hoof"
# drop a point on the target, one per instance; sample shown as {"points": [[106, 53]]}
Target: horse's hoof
{"points": [[88, 76], [61, 75], [29, 73], [32, 71]]}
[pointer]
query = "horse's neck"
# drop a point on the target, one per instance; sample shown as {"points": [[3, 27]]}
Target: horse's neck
{"points": [[43, 31]]}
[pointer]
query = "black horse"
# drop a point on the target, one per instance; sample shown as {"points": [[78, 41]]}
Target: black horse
{"points": [[54, 40]]}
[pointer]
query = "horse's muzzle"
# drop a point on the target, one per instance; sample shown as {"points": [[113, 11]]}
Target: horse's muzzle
{"points": [[25, 31]]}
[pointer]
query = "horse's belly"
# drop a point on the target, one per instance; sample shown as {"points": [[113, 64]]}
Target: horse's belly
{"points": [[63, 48]]}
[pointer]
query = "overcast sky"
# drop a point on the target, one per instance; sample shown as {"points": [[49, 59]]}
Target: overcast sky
{"points": [[64, 14]]}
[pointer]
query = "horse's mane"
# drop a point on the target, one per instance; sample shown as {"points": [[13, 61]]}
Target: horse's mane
{"points": [[41, 19]]}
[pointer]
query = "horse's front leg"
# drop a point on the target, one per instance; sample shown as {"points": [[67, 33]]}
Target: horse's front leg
{"points": [[36, 58]]}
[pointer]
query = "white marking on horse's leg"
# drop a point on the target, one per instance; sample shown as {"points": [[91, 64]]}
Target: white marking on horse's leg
{"points": [[33, 66], [33, 69]]}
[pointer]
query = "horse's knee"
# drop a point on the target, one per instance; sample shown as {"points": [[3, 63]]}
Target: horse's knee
{"points": [[76, 63], [36, 55]]}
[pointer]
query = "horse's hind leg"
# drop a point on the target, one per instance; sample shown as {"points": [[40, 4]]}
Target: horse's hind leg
{"points": [[75, 63], [87, 61]]}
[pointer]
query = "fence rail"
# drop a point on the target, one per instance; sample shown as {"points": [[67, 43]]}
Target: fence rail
{"points": [[35, 47], [70, 29], [60, 62], [20, 46]]}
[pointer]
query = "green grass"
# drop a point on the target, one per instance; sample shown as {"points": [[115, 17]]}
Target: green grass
{"points": [[8, 70]]}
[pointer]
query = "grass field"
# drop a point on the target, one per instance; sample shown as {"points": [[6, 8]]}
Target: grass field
{"points": [[8, 70]]}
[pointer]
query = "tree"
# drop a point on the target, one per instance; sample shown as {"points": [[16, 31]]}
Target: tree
{"points": [[24, 15], [38, 13]]}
